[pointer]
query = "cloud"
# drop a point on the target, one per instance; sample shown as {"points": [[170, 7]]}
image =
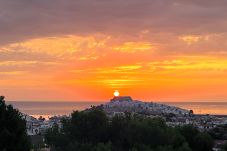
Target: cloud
{"points": [[56, 46], [26, 19], [136, 25], [132, 47], [191, 39], [12, 73], [110, 70], [23, 63], [88, 44], [191, 64]]}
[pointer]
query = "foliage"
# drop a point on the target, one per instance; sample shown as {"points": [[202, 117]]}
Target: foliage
{"points": [[94, 131], [224, 147], [219, 132], [12, 129], [197, 141]]}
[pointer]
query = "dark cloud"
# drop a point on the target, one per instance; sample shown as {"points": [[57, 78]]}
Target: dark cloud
{"points": [[23, 19]]}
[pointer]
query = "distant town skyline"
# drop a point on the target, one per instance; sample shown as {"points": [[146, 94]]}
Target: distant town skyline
{"points": [[71, 50]]}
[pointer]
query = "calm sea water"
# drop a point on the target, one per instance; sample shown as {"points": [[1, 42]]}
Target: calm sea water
{"points": [[65, 108], [48, 109]]}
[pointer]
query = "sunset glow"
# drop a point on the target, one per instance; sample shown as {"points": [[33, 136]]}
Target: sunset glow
{"points": [[87, 55], [116, 93]]}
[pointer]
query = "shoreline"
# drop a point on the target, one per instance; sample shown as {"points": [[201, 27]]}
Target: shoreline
{"points": [[66, 108]]}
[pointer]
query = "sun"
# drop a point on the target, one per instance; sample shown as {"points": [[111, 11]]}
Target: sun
{"points": [[116, 93]]}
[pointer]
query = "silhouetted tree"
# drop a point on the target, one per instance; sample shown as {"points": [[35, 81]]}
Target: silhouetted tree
{"points": [[94, 131], [197, 141], [224, 147], [191, 112], [12, 129], [203, 142]]}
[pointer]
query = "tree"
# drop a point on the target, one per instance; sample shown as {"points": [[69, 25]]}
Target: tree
{"points": [[12, 129], [92, 130], [197, 141], [191, 112], [103, 147], [203, 142], [189, 133], [224, 147]]}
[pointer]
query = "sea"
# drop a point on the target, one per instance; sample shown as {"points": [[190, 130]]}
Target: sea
{"points": [[48, 109]]}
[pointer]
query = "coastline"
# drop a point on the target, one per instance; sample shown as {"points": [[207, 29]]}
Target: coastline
{"points": [[65, 108]]}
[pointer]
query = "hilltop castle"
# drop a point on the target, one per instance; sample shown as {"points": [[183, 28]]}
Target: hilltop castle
{"points": [[121, 99]]}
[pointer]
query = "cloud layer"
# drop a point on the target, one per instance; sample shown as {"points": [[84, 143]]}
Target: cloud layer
{"points": [[96, 46], [24, 19]]}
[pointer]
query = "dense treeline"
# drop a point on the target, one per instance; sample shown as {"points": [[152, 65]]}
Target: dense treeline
{"points": [[12, 129], [94, 131]]}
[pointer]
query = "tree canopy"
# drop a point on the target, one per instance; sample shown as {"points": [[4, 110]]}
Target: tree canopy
{"points": [[12, 129], [94, 131]]}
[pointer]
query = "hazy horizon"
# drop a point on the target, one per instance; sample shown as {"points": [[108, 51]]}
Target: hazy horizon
{"points": [[48, 109], [104, 101]]}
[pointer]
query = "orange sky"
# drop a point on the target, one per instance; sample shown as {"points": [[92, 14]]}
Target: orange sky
{"points": [[51, 52]]}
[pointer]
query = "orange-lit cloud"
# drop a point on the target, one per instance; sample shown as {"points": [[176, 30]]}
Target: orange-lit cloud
{"points": [[190, 39], [81, 50], [131, 47], [65, 46], [102, 64]]}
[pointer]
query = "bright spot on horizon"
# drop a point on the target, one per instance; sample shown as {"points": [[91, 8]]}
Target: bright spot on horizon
{"points": [[116, 93]]}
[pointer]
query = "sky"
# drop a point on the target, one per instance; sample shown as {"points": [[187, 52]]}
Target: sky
{"points": [[84, 50]]}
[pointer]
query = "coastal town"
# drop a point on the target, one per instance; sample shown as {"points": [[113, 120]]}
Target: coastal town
{"points": [[125, 105], [174, 116]]}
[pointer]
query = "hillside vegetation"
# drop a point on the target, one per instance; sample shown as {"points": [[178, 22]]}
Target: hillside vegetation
{"points": [[94, 131]]}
